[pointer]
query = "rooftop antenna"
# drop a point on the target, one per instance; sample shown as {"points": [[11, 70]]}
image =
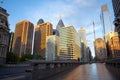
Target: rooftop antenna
{"points": [[94, 30], [60, 16]]}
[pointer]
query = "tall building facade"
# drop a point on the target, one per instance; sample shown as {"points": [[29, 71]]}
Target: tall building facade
{"points": [[52, 48], [116, 8], [23, 38], [69, 44], [4, 34], [105, 19], [113, 45], [82, 36], [100, 49], [42, 30]]}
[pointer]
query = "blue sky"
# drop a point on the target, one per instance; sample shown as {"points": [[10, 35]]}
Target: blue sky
{"points": [[79, 13]]}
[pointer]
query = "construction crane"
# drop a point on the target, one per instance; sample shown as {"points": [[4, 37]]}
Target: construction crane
{"points": [[94, 30]]}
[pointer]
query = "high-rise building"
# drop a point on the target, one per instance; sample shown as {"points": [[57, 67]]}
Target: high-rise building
{"points": [[23, 38], [42, 30], [69, 44], [116, 8], [100, 49], [60, 24], [105, 19], [52, 48], [4, 34], [82, 36]]}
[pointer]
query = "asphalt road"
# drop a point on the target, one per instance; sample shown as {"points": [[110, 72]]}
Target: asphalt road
{"points": [[13, 72]]}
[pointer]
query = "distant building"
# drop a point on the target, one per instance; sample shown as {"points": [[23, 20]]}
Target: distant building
{"points": [[60, 24], [82, 36], [52, 48], [105, 19], [100, 49], [23, 38], [4, 34], [42, 30], [69, 44], [116, 8]]}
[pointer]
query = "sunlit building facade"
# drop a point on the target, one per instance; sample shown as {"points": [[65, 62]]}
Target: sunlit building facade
{"points": [[69, 44], [105, 19], [42, 30], [4, 35], [23, 38], [113, 45], [100, 49], [52, 48]]}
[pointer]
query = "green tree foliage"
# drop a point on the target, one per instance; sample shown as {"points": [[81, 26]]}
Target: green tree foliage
{"points": [[26, 57], [12, 58]]}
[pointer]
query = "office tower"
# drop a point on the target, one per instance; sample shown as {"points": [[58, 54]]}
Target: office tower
{"points": [[69, 44], [105, 19], [113, 45], [60, 24], [82, 36], [116, 8], [23, 38], [100, 49], [42, 30], [52, 48], [4, 34]]}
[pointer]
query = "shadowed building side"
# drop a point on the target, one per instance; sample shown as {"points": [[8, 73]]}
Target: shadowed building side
{"points": [[23, 37], [4, 34], [42, 30]]}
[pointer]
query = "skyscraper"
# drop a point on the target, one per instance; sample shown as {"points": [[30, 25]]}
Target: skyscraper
{"points": [[23, 37], [52, 48], [105, 19], [60, 24], [116, 8], [82, 36], [4, 34], [42, 30], [69, 44]]}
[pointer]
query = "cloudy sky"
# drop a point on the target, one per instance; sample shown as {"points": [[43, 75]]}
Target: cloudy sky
{"points": [[79, 13]]}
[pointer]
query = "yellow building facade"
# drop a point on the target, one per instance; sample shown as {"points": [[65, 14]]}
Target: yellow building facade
{"points": [[69, 43], [41, 32], [23, 37]]}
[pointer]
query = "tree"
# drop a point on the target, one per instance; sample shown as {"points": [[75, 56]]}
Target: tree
{"points": [[26, 57], [12, 58]]}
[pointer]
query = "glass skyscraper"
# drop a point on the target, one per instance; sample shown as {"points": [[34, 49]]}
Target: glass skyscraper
{"points": [[105, 19], [69, 43]]}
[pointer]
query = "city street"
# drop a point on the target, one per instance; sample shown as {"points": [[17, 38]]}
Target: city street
{"points": [[13, 72]]}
